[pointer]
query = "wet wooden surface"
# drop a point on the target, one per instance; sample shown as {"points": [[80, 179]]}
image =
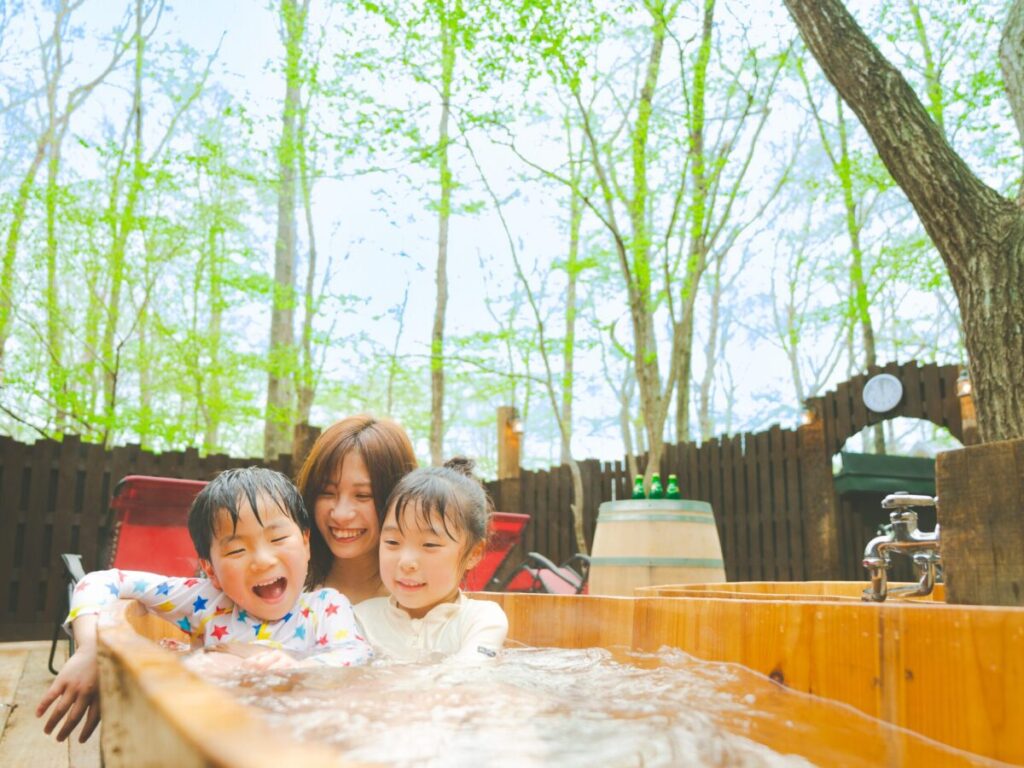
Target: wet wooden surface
{"points": [[23, 680]]}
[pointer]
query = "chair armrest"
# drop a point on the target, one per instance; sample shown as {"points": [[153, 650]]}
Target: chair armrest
{"points": [[73, 566]]}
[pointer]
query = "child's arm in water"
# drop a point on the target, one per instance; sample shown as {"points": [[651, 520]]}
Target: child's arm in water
{"points": [[484, 629], [76, 687]]}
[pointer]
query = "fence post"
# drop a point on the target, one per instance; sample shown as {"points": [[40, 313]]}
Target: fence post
{"points": [[510, 432], [818, 501]]}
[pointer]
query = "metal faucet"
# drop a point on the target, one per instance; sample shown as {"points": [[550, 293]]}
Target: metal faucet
{"points": [[904, 539]]}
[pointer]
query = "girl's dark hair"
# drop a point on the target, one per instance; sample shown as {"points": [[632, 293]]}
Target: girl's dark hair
{"points": [[451, 492], [227, 490], [388, 454]]}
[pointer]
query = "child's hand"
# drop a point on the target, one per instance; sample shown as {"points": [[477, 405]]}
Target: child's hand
{"points": [[76, 691], [272, 659]]}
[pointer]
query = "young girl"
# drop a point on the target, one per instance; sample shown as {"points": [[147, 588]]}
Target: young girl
{"points": [[434, 531], [345, 483]]}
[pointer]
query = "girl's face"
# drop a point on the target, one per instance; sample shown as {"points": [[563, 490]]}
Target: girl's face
{"points": [[345, 513], [422, 566]]}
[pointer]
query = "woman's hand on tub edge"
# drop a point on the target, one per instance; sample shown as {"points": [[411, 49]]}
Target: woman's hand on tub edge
{"points": [[74, 694]]}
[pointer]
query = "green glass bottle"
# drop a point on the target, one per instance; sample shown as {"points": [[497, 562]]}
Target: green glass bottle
{"points": [[657, 492], [672, 489], [638, 487]]}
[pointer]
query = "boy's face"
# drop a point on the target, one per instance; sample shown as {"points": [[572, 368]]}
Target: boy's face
{"points": [[262, 568], [420, 567]]}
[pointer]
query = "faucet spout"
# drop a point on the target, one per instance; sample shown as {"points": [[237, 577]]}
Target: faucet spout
{"points": [[904, 539]]}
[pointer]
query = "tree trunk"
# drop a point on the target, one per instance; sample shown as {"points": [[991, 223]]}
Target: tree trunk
{"points": [[978, 232], [447, 24], [277, 434]]}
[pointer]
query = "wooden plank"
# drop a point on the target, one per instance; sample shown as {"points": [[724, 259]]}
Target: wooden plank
{"points": [[692, 473], [38, 519], [948, 375], [744, 535], [766, 505], [828, 419], [981, 493], [567, 534], [94, 506], [551, 512], [757, 569], [63, 515], [794, 510], [12, 665], [529, 507], [932, 393], [818, 502], [12, 455], [858, 411], [731, 549], [780, 522], [913, 390], [23, 742], [844, 416]]}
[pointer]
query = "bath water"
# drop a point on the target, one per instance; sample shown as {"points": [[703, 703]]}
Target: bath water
{"points": [[556, 707]]}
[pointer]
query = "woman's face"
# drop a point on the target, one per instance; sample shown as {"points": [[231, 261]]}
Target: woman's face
{"points": [[345, 513]]}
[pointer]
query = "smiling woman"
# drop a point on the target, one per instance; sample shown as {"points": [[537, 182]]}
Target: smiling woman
{"points": [[345, 483]]}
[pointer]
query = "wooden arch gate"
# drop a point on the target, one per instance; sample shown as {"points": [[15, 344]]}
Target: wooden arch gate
{"points": [[773, 492]]}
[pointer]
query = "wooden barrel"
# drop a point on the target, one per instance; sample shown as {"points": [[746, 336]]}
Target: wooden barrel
{"points": [[640, 543]]}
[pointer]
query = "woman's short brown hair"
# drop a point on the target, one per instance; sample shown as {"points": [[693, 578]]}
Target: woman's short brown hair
{"points": [[388, 454]]}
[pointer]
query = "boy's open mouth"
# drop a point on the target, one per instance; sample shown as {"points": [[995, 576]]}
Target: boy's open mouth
{"points": [[271, 590]]}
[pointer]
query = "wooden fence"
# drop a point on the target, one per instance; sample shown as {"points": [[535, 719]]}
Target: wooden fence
{"points": [[775, 505], [54, 498]]}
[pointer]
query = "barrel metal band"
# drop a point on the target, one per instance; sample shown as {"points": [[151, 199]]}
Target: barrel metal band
{"points": [[660, 562], [668, 517]]}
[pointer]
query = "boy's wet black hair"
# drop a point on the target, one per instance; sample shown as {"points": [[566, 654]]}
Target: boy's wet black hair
{"points": [[258, 486], [451, 492]]}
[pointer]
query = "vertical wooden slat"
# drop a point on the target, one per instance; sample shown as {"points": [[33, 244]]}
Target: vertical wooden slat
{"points": [[757, 570], [38, 517], [766, 506], [731, 549], [932, 393], [94, 505], [913, 390], [844, 420], [794, 511], [10, 515], [828, 414], [63, 515], [780, 524], [552, 513], [529, 506], [948, 376], [858, 411], [744, 534]]}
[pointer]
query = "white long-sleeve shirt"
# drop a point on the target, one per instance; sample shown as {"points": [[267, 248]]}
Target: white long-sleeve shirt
{"points": [[467, 630]]}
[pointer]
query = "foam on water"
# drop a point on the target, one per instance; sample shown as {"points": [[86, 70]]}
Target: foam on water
{"points": [[554, 707]]}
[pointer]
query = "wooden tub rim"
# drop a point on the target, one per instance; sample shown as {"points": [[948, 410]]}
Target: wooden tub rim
{"points": [[211, 721]]}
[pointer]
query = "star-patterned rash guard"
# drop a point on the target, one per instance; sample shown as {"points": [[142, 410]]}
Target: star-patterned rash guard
{"points": [[322, 622]]}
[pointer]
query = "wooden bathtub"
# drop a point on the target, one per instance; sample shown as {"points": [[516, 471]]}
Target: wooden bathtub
{"points": [[954, 674]]}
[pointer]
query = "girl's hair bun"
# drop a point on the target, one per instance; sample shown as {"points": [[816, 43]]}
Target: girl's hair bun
{"points": [[461, 464]]}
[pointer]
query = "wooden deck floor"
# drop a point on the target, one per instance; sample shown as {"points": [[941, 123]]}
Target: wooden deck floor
{"points": [[23, 680]]}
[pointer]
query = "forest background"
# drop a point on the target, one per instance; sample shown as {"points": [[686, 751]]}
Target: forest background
{"points": [[627, 219]]}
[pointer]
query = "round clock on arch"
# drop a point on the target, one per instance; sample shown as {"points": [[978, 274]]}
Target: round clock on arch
{"points": [[882, 393]]}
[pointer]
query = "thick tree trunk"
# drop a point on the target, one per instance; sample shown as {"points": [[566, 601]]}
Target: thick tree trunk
{"points": [[978, 232]]}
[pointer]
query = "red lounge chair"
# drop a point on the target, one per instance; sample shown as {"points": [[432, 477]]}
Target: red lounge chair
{"points": [[506, 530], [148, 524], [538, 574]]}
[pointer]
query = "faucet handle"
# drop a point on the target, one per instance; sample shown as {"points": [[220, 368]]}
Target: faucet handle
{"points": [[902, 499]]}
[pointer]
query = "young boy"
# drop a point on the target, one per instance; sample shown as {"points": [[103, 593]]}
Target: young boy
{"points": [[251, 531]]}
